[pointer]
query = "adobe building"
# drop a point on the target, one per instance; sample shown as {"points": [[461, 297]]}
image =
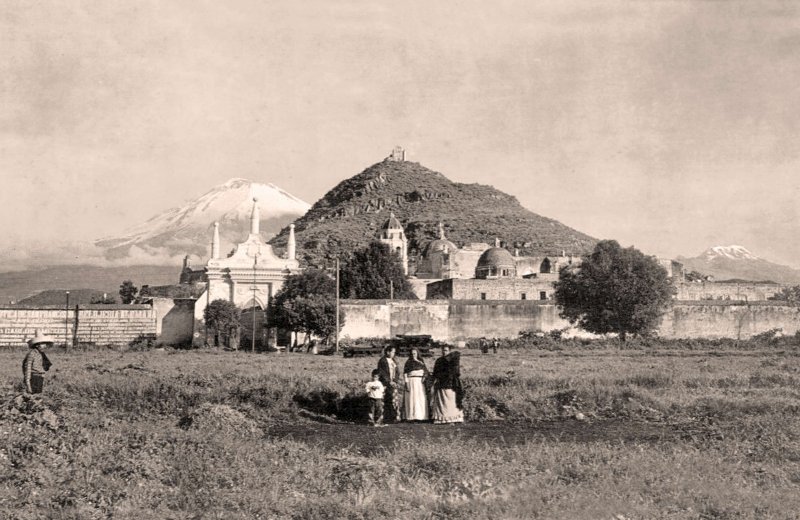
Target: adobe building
{"points": [[480, 271], [443, 259], [495, 279]]}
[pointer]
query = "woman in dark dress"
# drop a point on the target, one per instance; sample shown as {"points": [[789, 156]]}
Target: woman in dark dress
{"points": [[447, 390]]}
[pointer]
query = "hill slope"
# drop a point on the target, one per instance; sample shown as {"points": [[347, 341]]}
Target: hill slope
{"points": [[350, 214], [187, 229], [737, 263]]}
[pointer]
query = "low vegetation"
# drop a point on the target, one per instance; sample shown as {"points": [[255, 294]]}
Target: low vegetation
{"points": [[556, 429]]}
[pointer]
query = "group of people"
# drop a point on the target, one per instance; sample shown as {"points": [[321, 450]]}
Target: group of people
{"points": [[416, 394], [485, 343]]}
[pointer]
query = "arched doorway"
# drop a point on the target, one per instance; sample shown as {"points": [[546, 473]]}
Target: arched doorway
{"points": [[546, 267], [252, 321]]}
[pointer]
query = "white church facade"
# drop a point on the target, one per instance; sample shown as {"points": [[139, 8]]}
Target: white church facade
{"points": [[249, 277]]}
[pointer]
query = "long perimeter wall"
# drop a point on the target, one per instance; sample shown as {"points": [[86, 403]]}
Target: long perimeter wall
{"points": [[100, 324], [454, 320]]}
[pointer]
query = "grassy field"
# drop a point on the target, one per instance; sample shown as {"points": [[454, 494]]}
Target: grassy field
{"points": [[665, 433]]}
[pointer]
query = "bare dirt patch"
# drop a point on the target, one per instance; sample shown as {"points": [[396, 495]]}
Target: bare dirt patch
{"points": [[365, 439]]}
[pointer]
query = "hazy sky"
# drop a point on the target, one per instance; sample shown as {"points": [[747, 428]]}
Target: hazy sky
{"points": [[668, 125]]}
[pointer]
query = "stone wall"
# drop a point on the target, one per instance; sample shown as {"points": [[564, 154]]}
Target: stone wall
{"points": [[494, 289], [728, 319], [452, 320], [744, 291], [175, 320], [447, 320], [99, 324]]}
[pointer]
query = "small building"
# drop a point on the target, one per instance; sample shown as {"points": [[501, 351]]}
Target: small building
{"points": [[490, 289], [495, 279]]}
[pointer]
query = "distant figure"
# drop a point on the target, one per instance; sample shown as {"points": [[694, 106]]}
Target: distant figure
{"points": [[495, 344], [484, 346], [36, 363], [415, 398], [390, 376], [448, 394], [375, 391]]}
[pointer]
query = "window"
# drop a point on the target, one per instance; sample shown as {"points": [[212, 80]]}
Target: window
{"points": [[483, 296], [542, 295], [523, 296], [545, 267]]}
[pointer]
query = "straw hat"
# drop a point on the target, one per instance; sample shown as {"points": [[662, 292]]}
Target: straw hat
{"points": [[40, 338]]}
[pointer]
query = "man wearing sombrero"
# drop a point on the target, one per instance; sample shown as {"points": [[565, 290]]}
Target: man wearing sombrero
{"points": [[36, 363]]}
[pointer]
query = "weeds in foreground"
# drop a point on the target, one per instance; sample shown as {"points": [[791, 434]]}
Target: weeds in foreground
{"points": [[177, 435]]}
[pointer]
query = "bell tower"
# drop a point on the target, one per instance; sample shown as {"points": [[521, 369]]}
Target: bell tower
{"points": [[392, 234]]}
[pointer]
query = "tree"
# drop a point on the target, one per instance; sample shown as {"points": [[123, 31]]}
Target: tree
{"points": [[373, 272], [127, 292], [223, 317], [104, 300], [306, 303], [789, 295], [614, 290], [695, 276]]}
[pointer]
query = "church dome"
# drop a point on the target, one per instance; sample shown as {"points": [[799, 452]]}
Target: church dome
{"points": [[495, 262], [440, 244], [392, 223]]}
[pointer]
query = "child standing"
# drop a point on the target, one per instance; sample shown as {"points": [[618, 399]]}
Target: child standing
{"points": [[375, 390]]}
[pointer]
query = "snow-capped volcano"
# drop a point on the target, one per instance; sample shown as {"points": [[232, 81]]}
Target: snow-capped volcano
{"points": [[732, 252], [738, 263], [187, 229]]}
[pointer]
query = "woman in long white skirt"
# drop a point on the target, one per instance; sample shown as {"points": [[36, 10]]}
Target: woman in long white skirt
{"points": [[447, 390], [415, 375]]}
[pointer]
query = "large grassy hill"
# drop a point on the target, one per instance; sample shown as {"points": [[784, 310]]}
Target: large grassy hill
{"points": [[350, 214]]}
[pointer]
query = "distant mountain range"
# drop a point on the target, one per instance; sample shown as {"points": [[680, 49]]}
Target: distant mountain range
{"points": [[81, 280], [737, 263], [346, 218], [188, 229], [349, 215]]}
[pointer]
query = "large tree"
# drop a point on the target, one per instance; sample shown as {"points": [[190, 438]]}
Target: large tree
{"points": [[306, 303], [223, 317], [128, 291], [614, 290], [373, 273]]}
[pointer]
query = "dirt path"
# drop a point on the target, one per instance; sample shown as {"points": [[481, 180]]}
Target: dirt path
{"points": [[365, 439]]}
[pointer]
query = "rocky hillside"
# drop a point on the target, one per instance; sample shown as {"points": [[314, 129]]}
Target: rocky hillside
{"points": [[350, 214], [737, 263]]}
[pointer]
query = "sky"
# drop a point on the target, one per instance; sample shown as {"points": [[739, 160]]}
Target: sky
{"points": [[671, 126]]}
